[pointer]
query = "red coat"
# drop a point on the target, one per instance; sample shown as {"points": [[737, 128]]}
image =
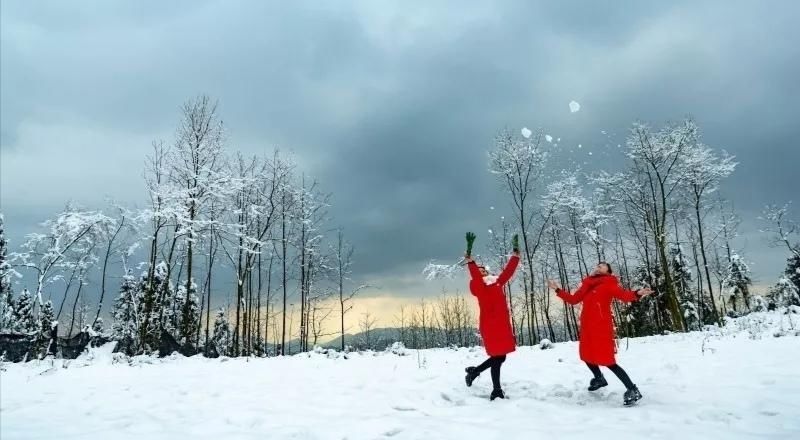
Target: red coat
{"points": [[597, 326], [494, 322]]}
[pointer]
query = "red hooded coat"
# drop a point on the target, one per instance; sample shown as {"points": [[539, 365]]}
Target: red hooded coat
{"points": [[597, 326], [494, 322]]}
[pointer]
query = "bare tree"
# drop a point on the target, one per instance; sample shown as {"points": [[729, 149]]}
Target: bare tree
{"points": [[783, 230], [343, 262], [367, 325], [319, 315], [112, 234], [702, 172], [311, 214]]}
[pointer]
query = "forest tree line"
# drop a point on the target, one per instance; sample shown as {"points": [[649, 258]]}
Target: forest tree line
{"points": [[662, 222], [258, 228], [254, 226]]}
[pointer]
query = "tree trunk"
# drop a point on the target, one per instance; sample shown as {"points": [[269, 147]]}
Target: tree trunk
{"points": [[705, 260], [208, 284], [283, 255], [75, 304], [105, 267]]}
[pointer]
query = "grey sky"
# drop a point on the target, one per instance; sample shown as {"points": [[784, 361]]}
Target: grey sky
{"points": [[393, 105]]}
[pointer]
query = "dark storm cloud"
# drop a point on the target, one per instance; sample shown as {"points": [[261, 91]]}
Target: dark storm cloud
{"points": [[392, 106]]}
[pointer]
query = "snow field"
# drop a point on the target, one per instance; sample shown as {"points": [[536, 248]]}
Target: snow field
{"points": [[738, 383]]}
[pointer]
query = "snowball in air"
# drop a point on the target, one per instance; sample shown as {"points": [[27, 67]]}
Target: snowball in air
{"points": [[548, 138], [574, 106], [525, 132]]}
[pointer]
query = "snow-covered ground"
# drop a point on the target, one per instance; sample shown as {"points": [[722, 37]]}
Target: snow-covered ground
{"points": [[742, 382]]}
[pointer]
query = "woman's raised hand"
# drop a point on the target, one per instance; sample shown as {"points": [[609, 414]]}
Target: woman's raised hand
{"points": [[553, 285]]}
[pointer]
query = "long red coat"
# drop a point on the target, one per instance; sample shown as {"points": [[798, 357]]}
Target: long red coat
{"points": [[597, 325], [494, 322]]}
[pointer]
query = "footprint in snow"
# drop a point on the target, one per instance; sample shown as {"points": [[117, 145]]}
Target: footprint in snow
{"points": [[560, 391], [392, 432], [456, 402]]}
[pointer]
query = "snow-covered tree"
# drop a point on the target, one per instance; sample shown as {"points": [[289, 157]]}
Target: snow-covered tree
{"points": [[737, 281], [165, 316], [519, 163], [187, 324], [793, 270], [221, 340], [160, 215], [24, 320], [654, 179], [47, 319], [6, 300], [683, 282], [126, 312], [196, 161], [256, 229], [702, 172], [157, 310], [7, 322], [650, 315], [68, 240], [784, 293]]}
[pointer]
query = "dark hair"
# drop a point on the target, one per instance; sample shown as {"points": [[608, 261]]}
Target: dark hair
{"points": [[610, 270]]}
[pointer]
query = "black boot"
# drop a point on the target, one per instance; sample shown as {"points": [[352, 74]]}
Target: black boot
{"points": [[497, 393], [632, 396], [472, 374], [597, 382]]}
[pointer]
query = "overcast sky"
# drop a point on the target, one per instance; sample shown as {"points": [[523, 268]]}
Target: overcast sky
{"points": [[393, 105]]}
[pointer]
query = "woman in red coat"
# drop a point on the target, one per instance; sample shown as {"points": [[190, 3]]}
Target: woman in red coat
{"points": [[596, 344], [494, 322]]}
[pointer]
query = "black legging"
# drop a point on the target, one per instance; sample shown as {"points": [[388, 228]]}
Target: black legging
{"points": [[494, 363], [617, 370]]}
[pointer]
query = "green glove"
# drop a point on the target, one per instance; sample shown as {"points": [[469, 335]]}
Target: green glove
{"points": [[515, 243], [470, 240]]}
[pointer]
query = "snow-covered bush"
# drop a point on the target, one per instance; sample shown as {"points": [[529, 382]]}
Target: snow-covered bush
{"points": [[545, 344], [398, 348], [784, 293], [759, 304]]}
